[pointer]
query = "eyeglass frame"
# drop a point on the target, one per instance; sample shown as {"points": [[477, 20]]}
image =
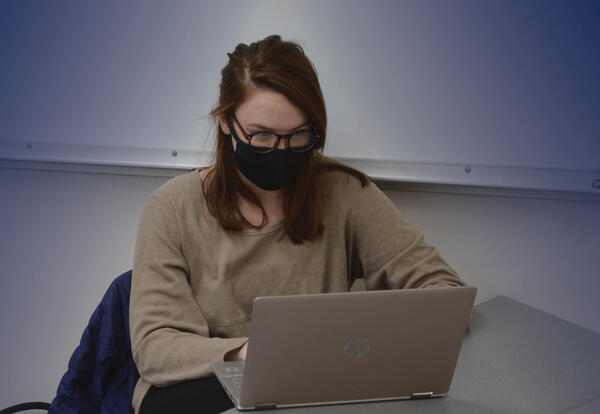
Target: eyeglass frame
{"points": [[314, 135]]}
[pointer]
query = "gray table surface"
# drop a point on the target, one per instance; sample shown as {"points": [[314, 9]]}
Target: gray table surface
{"points": [[514, 359]]}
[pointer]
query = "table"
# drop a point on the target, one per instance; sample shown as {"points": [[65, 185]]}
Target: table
{"points": [[514, 359]]}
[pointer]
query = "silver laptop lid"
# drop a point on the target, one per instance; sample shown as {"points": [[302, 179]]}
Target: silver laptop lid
{"points": [[356, 346]]}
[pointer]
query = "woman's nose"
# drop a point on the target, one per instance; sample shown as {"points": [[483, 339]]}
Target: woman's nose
{"points": [[283, 144]]}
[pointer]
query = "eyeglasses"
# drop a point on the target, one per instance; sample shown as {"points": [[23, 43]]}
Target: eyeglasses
{"points": [[267, 141]]}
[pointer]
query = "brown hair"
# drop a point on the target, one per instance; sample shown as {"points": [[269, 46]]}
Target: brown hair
{"points": [[282, 67]]}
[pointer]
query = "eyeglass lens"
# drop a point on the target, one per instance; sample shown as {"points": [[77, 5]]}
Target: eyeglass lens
{"points": [[266, 141]]}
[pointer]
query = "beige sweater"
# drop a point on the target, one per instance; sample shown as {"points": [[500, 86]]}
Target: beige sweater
{"points": [[194, 283]]}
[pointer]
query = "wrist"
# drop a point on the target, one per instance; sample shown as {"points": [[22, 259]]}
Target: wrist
{"points": [[234, 354]]}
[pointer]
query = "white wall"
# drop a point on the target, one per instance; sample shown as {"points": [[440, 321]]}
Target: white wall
{"points": [[457, 81], [65, 236]]}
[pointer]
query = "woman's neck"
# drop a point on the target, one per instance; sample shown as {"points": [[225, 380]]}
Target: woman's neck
{"points": [[272, 202]]}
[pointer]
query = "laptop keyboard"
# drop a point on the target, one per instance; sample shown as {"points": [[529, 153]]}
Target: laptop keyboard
{"points": [[231, 375], [237, 382]]}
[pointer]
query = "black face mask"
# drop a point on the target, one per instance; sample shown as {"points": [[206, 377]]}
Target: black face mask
{"points": [[270, 171]]}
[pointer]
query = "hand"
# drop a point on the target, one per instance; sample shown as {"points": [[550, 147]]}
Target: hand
{"points": [[242, 352], [238, 354]]}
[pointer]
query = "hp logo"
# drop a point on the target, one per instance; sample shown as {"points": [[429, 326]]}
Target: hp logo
{"points": [[357, 348]]}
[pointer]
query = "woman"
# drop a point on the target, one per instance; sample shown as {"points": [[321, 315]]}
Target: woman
{"points": [[272, 216]]}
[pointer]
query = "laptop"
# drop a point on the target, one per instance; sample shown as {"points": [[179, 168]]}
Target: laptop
{"points": [[349, 347]]}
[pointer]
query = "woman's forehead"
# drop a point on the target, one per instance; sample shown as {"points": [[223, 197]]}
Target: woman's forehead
{"points": [[269, 109]]}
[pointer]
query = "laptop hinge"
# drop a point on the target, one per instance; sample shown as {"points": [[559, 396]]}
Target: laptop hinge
{"points": [[265, 405], [420, 395]]}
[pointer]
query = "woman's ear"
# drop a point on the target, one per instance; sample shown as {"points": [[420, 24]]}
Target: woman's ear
{"points": [[223, 125]]}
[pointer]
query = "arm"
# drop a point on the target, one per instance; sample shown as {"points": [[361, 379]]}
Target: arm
{"points": [[169, 335], [389, 252], [238, 354]]}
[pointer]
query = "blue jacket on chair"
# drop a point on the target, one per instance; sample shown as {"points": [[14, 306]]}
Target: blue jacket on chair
{"points": [[101, 374]]}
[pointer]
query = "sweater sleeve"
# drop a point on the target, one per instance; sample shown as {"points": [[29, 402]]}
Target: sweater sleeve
{"points": [[169, 335], [389, 252]]}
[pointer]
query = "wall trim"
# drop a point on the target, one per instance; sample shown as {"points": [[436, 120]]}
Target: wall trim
{"points": [[402, 175]]}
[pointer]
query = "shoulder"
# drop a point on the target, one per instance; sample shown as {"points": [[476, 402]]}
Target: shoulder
{"points": [[340, 184], [179, 201], [344, 191], [342, 194], [180, 187], [180, 196]]}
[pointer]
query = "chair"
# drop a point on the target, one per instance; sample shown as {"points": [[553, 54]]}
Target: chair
{"points": [[101, 374], [25, 407]]}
